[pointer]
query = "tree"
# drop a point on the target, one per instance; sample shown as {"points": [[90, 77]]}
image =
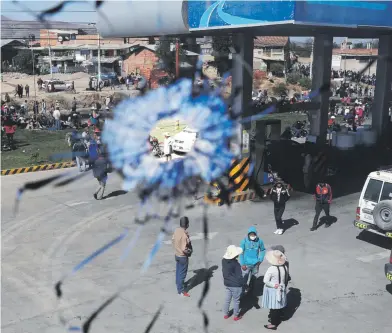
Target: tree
{"points": [[302, 49], [336, 45], [358, 46], [220, 51], [24, 61], [305, 82], [277, 67], [167, 54]]}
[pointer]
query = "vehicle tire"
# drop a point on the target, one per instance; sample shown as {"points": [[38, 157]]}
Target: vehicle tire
{"points": [[382, 215]]}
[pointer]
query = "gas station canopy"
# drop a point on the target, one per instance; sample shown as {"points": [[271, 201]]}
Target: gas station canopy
{"points": [[294, 18]]}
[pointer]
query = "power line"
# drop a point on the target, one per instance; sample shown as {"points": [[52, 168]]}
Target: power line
{"points": [[40, 11]]}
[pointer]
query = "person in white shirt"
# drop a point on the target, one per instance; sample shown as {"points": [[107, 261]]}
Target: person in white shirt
{"points": [[167, 147], [56, 116]]}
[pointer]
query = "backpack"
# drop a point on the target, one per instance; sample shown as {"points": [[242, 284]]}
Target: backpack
{"points": [[93, 151], [80, 147]]}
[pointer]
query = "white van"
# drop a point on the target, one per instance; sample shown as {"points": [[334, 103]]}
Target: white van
{"points": [[184, 141], [374, 211]]}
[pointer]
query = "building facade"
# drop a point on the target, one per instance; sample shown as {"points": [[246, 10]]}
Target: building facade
{"points": [[354, 59], [270, 49]]}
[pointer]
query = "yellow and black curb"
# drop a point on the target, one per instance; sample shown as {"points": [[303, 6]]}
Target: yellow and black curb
{"points": [[36, 168], [235, 197]]}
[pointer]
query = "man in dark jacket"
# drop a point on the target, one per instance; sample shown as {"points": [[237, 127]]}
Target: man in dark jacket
{"points": [[100, 172], [279, 195], [323, 196], [233, 280]]}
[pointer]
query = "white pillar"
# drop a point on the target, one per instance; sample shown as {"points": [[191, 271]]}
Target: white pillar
{"points": [[382, 92], [242, 77], [322, 62]]}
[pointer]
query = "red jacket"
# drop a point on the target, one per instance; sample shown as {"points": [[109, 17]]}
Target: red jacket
{"points": [[323, 194]]}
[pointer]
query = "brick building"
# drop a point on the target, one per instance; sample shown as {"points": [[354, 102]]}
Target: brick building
{"points": [[144, 60]]}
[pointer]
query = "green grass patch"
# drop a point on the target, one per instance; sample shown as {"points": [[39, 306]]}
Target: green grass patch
{"points": [[35, 147]]}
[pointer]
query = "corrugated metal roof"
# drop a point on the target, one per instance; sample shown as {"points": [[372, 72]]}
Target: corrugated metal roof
{"points": [[155, 47], [7, 41], [269, 41]]}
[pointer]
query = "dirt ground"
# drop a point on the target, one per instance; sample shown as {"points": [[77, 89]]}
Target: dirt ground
{"points": [[84, 98]]}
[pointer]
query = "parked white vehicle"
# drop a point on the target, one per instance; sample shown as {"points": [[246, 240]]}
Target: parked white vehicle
{"points": [[374, 211], [58, 85], [184, 141]]}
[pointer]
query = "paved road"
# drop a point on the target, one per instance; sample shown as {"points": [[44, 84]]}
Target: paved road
{"points": [[338, 283]]}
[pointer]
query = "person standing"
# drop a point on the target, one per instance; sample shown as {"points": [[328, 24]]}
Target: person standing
{"points": [[279, 195], [56, 116], [275, 287], [233, 280], [43, 106], [251, 257], [323, 197], [10, 129], [183, 250], [27, 90], [167, 147], [35, 108], [73, 106]]}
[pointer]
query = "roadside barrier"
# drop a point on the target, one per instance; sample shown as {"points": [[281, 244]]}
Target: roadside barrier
{"points": [[36, 168]]}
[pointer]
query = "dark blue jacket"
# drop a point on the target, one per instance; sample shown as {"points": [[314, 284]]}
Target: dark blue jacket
{"points": [[232, 273]]}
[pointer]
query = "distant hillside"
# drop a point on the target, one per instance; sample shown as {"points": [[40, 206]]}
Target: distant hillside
{"points": [[14, 29]]}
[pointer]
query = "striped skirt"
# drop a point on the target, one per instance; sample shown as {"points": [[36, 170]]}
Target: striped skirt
{"points": [[270, 298]]}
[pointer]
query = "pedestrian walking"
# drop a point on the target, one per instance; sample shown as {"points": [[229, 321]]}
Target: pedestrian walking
{"points": [[167, 147], [251, 257], [27, 90], [183, 250], [275, 287], [233, 280], [279, 195], [100, 172], [323, 197]]}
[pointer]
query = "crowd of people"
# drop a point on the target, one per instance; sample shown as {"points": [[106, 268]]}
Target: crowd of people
{"points": [[355, 76], [241, 264]]}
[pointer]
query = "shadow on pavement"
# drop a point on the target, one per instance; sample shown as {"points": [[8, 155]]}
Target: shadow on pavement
{"points": [[289, 223], [375, 239], [251, 300], [200, 276], [114, 194], [294, 298], [327, 221]]}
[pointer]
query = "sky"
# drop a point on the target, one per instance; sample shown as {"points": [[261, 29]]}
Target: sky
{"points": [[76, 11]]}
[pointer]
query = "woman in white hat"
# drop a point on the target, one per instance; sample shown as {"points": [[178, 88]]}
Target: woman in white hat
{"points": [[233, 280], [275, 287]]}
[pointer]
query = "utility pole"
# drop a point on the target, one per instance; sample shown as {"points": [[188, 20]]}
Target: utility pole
{"points": [[311, 60], [177, 59], [50, 56], [34, 82], [99, 60], [371, 54]]}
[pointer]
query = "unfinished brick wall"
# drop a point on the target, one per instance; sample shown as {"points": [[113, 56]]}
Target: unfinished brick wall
{"points": [[142, 61], [80, 39]]}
